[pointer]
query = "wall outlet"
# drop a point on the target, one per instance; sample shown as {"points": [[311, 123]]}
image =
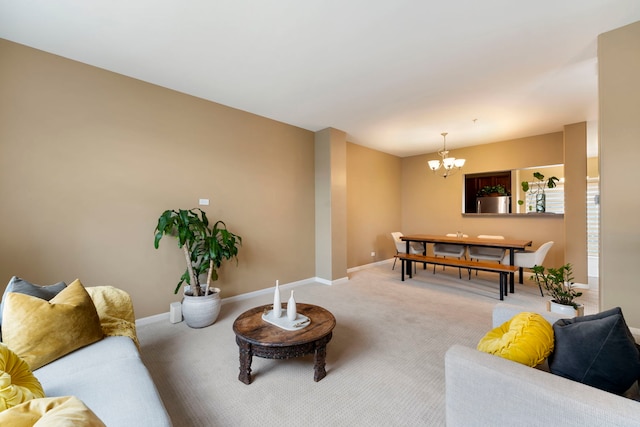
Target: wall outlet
{"points": [[373, 254], [203, 202]]}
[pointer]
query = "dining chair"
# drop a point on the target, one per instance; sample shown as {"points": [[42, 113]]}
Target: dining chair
{"points": [[401, 246], [482, 253], [450, 250], [529, 259]]}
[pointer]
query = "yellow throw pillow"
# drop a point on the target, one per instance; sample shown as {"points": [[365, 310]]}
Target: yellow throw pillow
{"points": [[66, 411], [527, 338], [17, 383], [42, 331]]}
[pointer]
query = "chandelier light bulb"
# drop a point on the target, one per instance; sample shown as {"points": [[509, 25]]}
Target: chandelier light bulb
{"points": [[434, 165], [448, 162]]}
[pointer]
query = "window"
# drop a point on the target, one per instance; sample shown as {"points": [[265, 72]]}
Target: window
{"points": [[554, 198], [593, 216]]}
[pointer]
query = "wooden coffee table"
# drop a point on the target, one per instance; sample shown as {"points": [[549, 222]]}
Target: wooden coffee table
{"points": [[255, 337]]}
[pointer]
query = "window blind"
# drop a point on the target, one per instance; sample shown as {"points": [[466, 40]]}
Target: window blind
{"points": [[554, 198], [593, 216]]}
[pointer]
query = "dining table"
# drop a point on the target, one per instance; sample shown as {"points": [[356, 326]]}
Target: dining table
{"points": [[511, 245]]}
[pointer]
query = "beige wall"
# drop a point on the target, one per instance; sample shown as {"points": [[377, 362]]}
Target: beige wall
{"points": [[432, 204], [593, 167], [373, 204], [88, 162], [89, 159], [331, 204], [575, 200], [619, 93]]}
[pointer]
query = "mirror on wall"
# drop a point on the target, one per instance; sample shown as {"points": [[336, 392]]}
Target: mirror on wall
{"points": [[501, 192]]}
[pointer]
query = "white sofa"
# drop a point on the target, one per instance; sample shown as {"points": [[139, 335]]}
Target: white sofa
{"points": [[487, 390], [110, 378]]}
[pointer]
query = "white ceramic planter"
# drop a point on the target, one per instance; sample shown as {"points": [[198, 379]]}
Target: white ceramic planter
{"points": [[199, 312], [565, 310]]}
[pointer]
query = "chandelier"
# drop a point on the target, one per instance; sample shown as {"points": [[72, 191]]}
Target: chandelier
{"points": [[448, 165]]}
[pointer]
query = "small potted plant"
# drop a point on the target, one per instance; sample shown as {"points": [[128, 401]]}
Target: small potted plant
{"points": [[558, 282], [204, 247], [492, 190], [537, 191]]}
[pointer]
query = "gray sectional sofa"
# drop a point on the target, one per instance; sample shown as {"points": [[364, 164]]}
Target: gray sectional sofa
{"points": [[487, 390]]}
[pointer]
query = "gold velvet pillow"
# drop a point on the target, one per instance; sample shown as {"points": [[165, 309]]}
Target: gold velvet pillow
{"points": [[17, 383], [66, 411], [42, 331]]}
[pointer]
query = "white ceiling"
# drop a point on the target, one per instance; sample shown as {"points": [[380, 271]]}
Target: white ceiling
{"points": [[392, 74]]}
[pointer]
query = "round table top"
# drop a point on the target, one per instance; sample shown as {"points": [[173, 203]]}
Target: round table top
{"points": [[250, 326]]}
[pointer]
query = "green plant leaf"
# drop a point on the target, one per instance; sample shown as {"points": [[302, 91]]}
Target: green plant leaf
{"points": [[156, 241]]}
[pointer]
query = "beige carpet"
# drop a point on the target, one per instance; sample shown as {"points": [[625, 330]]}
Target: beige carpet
{"points": [[385, 363]]}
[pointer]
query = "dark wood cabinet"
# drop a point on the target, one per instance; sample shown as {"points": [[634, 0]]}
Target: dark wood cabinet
{"points": [[474, 182]]}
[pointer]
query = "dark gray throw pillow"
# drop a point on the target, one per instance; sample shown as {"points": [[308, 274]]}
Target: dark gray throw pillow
{"points": [[21, 286], [597, 350]]}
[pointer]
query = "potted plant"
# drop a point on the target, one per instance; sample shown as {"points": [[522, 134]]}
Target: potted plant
{"points": [[537, 190], [205, 247], [492, 190], [558, 282]]}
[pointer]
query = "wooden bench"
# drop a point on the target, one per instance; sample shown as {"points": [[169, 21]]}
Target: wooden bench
{"points": [[502, 269]]}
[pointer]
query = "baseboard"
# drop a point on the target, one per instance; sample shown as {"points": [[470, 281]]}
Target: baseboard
{"points": [[362, 267], [332, 282], [153, 319], [267, 291]]}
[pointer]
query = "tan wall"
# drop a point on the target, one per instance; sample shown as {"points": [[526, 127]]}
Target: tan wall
{"points": [[89, 159], [432, 204], [575, 200], [619, 93], [331, 204], [373, 204], [88, 162], [593, 167]]}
